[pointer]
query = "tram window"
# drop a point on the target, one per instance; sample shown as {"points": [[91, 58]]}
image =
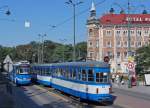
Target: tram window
{"points": [[67, 73], [79, 74], [41, 73], [17, 71], [90, 75], [70, 74], [59, 72], [38, 71], [101, 77], [84, 77], [74, 74], [20, 71], [47, 71]]}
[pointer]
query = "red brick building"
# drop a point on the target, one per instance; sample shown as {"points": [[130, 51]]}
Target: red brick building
{"points": [[108, 36]]}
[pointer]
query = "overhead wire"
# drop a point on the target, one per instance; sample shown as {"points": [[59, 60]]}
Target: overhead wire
{"points": [[78, 14]]}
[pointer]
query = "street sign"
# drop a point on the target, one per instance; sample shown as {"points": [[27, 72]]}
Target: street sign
{"points": [[130, 65], [8, 64], [106, 59]]}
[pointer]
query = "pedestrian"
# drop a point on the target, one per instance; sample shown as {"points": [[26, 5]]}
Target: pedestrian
{"points": [[117, 79], [113, 78], [121, 80]]}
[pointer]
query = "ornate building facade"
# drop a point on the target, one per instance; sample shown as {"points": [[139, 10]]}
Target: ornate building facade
{"points": [[108, 36]]}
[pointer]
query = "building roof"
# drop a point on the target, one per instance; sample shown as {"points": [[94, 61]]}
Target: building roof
{"points": [[118, 19]]}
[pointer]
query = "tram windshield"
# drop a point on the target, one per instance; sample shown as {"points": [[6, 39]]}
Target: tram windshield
{"points": [[102, 77], [24, 70]]}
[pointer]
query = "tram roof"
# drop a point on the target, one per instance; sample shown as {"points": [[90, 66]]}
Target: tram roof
{"points": [[87, 64]]}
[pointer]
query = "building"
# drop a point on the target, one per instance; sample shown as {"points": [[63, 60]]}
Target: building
{"points": [[108, 36]]}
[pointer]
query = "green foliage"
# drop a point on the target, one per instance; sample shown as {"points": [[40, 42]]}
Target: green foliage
{"points": [[143, 60], [53, 52]]}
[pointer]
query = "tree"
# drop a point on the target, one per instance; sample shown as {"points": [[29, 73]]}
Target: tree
{"points": [[143, 59], [82, 50], [53, 52]]}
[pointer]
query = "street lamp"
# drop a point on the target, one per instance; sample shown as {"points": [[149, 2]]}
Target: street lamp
{"points": [[7, 11], [41, 58], [70, 2]]}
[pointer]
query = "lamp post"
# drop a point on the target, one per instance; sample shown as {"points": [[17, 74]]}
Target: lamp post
{"points": [[41, 58], [129, 44], [7, 12], [70, 2]]}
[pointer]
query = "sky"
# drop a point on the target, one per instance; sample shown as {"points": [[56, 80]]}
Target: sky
{"points": [[43, 14]]}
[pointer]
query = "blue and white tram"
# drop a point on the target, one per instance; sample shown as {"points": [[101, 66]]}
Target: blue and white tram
{"points": [[42, 73], [20, 74], [86, 80]]}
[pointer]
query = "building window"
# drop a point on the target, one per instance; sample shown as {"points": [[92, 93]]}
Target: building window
{"points": [[139, 44], [118, 44], [146, 32], [118, 32], [125, 44], [97, 43], [125, 55], [108, 44], [131, 32], [109, 54], [132, 43], [139, 33], [90, 32], [125, 32], [118, 54], [90, 44], [108, 33]]}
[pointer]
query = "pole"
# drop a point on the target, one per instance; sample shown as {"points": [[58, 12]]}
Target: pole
{"points": [[74, 26], [42, 50], [74, 29], [39, 58], [129, 37], [129, 44]]}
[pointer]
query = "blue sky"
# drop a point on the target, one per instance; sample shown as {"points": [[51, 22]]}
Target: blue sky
{"points": [[43, 13]]}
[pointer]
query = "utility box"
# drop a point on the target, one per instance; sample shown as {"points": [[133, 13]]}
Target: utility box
{"points": [[147, 79]]}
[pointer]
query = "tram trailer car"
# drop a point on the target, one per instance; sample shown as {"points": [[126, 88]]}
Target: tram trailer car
{"points": [[20, 74], [86, 80], [42, 73]]}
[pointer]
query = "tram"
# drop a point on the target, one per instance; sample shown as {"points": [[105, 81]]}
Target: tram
{"points": [[20, 74], [85, 80]]}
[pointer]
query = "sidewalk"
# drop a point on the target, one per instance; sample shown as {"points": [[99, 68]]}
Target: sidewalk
{"points": [[6, 100], [139, 89]]}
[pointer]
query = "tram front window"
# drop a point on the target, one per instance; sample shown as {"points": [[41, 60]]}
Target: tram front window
{"points": [[24, 70], [102, 77]]}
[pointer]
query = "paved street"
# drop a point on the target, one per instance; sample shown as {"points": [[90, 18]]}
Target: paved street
{"points": [[135, 97], [35, 96]]}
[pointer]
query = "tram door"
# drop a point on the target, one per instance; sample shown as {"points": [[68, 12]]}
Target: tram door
{"points": [[85, 79]]}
